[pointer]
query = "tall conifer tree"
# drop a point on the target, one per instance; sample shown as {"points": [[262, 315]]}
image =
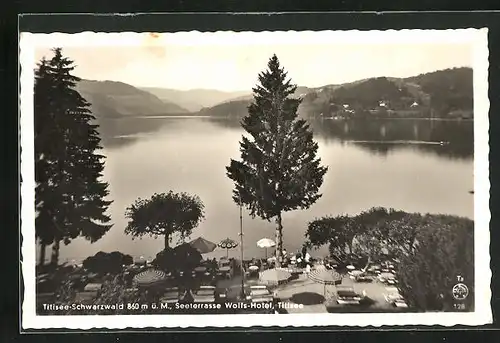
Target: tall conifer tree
{"points": [[70, 195], [279, 170]]}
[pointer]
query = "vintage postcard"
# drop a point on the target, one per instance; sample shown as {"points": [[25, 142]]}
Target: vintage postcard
{"points": [[236, 179]]}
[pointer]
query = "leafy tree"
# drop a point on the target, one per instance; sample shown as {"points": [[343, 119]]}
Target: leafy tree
{"points": [[443, 254], [385, 232], [363, 234], [182, 258], [165, 215], [339, 232], [180, 261], [432, 250], [70, 196], [279, 170], [107, 262]]}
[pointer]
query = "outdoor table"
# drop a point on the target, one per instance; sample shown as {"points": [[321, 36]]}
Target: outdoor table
{"points": [[93, 287], [253, 268], [200, 269], [225, 269], [356, 273], [92, 276]]}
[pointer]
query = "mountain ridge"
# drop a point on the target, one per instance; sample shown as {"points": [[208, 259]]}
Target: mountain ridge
{"points": [[115, 99], [441, 93], [193, 100]]}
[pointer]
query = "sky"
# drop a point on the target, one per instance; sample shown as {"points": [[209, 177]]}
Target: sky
{"points": [[234, 67]]}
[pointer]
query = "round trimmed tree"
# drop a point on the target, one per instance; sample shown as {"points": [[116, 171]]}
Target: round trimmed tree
{"points": [[165, 214]]}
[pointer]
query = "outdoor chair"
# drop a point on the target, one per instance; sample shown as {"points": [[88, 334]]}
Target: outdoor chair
{"points": [[347, 296], [131, 290], [394, 298], [260, 293], [171, 295], [204, 294]]}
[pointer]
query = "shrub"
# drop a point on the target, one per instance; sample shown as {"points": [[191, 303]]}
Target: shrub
{"points": [[104, 263]]}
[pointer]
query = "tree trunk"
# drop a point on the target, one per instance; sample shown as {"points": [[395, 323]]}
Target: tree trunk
{"points": [[55, 252], [279, 240], [42, 254], [166, 242], [368, 261]]}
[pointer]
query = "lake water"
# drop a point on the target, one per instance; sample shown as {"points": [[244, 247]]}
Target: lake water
{"points": [[391, 163]]}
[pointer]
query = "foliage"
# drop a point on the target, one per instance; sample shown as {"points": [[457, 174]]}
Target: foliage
{"points": [[114, 291], [279, 170], [107, 262], [346, 235], [444, 253], [442, 92], [69, 195], [181, 258], [180, 261], [231, 109], [432, 250], [450, 89], [338, 232], [164, 260], [165, 214], [369, 93]]}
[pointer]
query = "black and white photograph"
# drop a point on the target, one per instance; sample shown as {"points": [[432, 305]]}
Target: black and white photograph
{"points": [[333, 175]]}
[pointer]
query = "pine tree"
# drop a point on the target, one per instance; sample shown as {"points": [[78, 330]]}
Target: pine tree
{"points": [[70, 196], [279, 170], [46, 140]]}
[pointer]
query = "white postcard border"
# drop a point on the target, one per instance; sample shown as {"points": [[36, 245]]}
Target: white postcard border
{"points": [[481, 315]]}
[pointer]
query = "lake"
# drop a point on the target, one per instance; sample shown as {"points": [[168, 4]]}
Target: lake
{"points": [[412, 165]]}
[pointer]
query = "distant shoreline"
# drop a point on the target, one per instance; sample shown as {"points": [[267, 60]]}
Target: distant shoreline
{"points": [[400, 118], [186, 116]]}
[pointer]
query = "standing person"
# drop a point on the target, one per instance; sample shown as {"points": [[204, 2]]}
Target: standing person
{"points": [[284, 257], [304, 250], [308, 268]]}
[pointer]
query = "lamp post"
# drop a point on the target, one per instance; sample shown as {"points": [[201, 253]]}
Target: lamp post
{"points": [[241, 248]]}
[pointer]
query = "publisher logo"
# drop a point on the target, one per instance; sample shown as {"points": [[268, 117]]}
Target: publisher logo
{"points": [[460, 291]]}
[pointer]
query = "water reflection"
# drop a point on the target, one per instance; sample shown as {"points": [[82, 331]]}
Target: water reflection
{"points": [[122, 132], [450, 139]]}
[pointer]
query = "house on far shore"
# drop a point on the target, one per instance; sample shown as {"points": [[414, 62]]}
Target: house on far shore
{"points": [[461, 114]]}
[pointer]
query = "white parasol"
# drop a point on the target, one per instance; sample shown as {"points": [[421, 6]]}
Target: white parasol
{"points": [[265, 243]]}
